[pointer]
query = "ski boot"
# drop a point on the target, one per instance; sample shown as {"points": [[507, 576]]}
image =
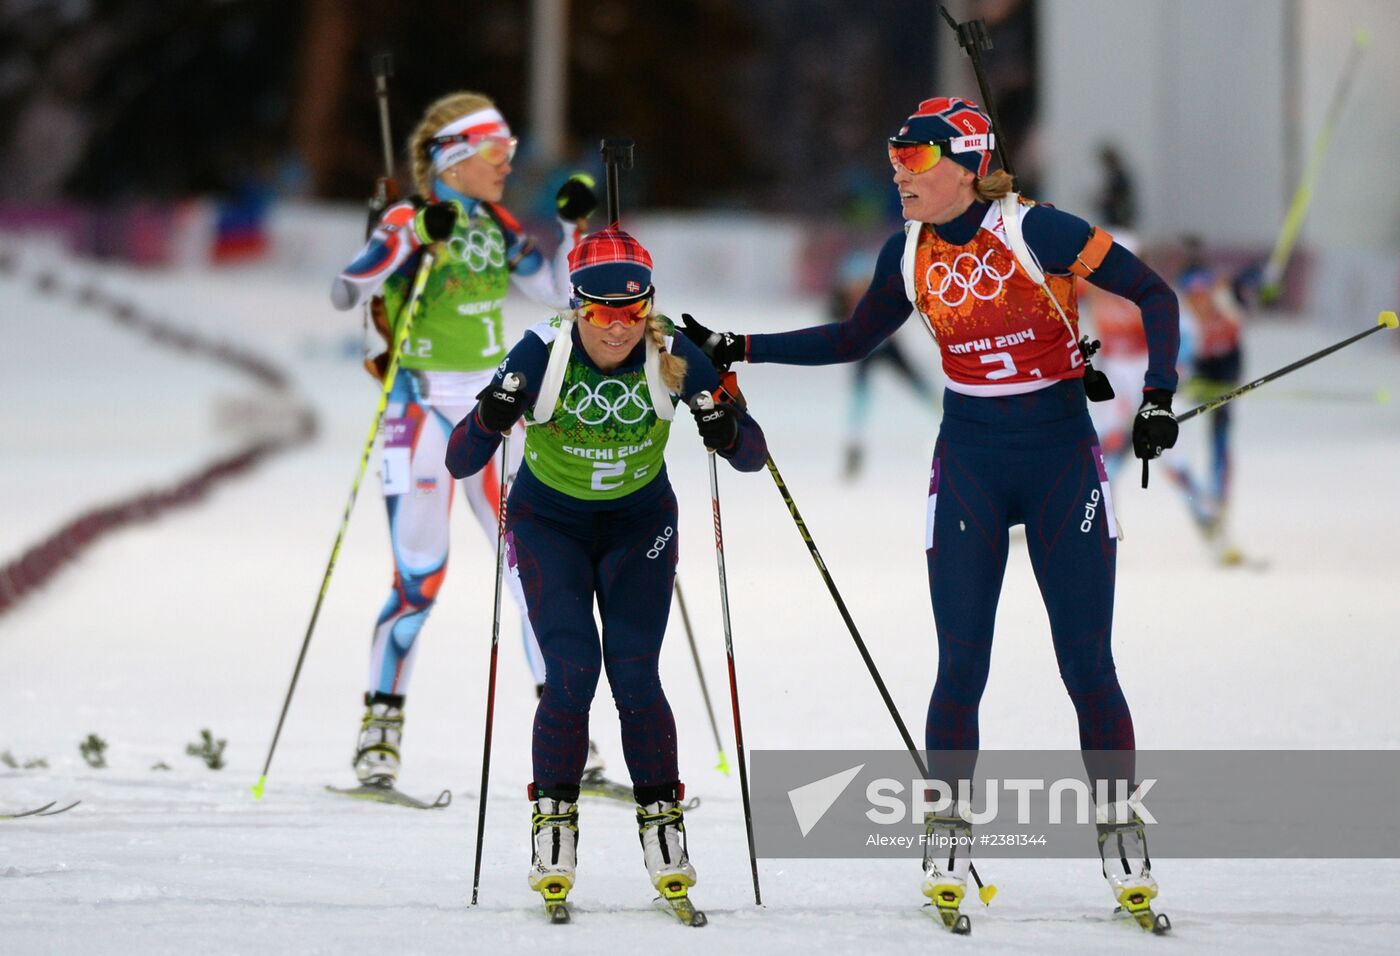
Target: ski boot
{"points": [[947, 860], [1126, 865], [661, 829], [554, 856], [381, 731]]}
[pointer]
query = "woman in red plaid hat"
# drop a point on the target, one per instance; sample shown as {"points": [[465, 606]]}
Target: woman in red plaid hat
{"points": [[592, 517], [461, 153], [992, 276]]}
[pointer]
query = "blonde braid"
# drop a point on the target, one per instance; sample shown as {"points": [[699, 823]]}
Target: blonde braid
{"points": [[444, 110], [672, 366]]}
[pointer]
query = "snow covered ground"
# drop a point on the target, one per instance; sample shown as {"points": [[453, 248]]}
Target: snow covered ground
{"points": [[195, 622]]}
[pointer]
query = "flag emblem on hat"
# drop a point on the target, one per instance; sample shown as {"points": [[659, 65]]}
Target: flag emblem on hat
{"points": [[633, 285]]}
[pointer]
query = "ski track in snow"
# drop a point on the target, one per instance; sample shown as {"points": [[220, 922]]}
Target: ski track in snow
{"points": [[195, 622]]}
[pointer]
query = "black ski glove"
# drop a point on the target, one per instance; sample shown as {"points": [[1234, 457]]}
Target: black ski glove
{"points": [[576, 199], [718, 424], [434, 222], [500, 404], [1154, 428], [723, 348]]}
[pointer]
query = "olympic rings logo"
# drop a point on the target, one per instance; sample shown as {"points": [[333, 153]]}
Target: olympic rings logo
{"points": [[611, 398], [479, 249], [963, 280]]}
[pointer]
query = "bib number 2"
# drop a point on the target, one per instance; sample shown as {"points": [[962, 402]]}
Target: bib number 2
{"points": [[605, 471]]}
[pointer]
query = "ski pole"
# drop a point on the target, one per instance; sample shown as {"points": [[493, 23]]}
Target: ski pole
{"points": [[512, 382], [1386, 320], [846, 616], [986, 892], [396, 352], [1272, 279], [723, 765], [701, 403]]}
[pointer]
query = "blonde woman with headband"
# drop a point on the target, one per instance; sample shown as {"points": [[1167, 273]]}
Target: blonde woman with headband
{"points": [[461, 154]]}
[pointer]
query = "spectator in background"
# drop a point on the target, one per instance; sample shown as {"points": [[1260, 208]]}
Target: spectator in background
{"points": [[852, 282], [1117, 200]]}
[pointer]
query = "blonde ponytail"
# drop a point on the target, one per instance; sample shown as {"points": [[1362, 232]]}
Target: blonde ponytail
{"points": [[994, 185]]}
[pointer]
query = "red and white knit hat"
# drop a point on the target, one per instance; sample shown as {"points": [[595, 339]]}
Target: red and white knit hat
{"points": [[610, 263]]}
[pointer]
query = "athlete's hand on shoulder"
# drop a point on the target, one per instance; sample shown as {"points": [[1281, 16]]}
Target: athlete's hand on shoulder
{"points": [[717, 422], [500, 407], [576, 199], [1154, 427], [723, 348], [435, 221]]}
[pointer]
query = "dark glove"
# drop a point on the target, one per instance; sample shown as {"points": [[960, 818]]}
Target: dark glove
{"points": [[434, 222], [1154, 428], [723, 348], [500, 404], [718, 424], [576, 199]]}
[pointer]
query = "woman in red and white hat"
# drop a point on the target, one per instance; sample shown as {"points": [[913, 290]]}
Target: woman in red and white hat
{"points": [[592, 519]]}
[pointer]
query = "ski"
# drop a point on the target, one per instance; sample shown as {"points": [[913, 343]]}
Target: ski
{"points": [[54, 813], [43, 811], [37, 811], [382, 794], [556, 903], [1138, 907], [959, 924], [677, 899], [603, 788]]}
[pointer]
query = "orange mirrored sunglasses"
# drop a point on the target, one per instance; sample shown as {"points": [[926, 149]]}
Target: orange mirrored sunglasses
{"points": [[604, 313], [917, 157]]}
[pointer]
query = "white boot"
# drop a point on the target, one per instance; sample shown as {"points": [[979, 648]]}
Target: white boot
{"points": [[1123, 850], [381, 731], [661, 827], [554, 835], [947, 859]]}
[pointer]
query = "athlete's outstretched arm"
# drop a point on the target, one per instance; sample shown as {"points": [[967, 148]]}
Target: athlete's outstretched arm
{"points": [[878, 314]]}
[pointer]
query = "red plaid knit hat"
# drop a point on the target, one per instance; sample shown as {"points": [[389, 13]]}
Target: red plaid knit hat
{"points": [[609, 263]]}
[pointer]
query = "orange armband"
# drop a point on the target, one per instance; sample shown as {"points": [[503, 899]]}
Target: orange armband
{"points": [[1092, 255]]}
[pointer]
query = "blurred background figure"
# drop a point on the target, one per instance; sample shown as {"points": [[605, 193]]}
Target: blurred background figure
{"points": [[1116, 324], [852, 280], [1117, 199], [1212, 360]]}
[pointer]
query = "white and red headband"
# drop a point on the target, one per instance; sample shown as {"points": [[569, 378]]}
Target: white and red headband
{"points": [[463, 136]]}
